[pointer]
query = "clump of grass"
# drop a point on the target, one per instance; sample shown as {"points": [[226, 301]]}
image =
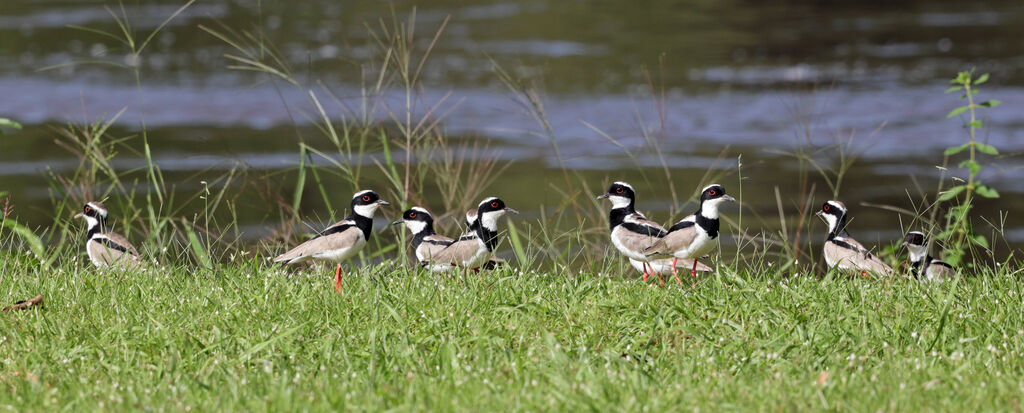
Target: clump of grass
{"points": [[245, 336]]}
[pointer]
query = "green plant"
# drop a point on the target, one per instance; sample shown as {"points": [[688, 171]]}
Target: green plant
{"points": [[958, 232], [4, 122]]}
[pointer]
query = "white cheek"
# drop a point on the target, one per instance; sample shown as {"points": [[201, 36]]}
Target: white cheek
{"points": [[619, 201], [90, 221], [831, 219], [917, 252], [490, 220], [415, 226], [366, 210]]}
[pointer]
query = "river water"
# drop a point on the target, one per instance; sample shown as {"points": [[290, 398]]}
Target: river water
{"points": [[749, 78]]}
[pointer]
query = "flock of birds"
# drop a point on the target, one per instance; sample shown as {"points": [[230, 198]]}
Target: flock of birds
{"points": [[650, 248]]}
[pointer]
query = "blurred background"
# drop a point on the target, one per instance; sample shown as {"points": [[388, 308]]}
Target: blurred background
{"points": [[656, 92]]}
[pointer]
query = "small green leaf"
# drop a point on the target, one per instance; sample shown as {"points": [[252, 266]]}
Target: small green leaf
{"points": [[957, 111], [981, 79], [954, 89], [35, 244], [974, 124], [980, 240], [951, 193], [197, 245], [9, 123], [986, 149], [956, 149], [987, 191], [973, 166], [990, 103]]}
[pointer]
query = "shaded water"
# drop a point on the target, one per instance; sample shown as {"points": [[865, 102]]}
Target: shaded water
{"points": [[740, 77]]}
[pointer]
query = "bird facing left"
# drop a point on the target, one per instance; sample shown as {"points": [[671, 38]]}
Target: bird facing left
{"points": [[105, 247], [341, 241]]}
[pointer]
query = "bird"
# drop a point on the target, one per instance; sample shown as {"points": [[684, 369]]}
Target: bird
{"points": [[631, 232], [425, 242], [471, 224], [340, 241], [474, 250], [105, 247], [841, 250], [693, 236], [921, 263]]}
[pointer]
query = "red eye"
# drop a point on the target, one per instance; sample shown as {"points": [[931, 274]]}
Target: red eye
{"points": [[826, 208], [494, 204], [87, 210], [618, 190], [712, 192], [366, 198], [412, 215]]}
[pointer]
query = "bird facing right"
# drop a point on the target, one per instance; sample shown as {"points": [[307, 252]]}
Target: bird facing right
{"points": [[474, 251], [694, 236], [922, 264], [841, 250]]}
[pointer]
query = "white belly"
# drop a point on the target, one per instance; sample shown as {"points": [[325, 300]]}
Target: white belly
{"points": [[341, 254], [616, 241], [701, 246]]}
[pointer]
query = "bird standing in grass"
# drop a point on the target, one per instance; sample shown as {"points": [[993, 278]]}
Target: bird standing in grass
{"points": [[631, 232], [425, 242], [841, 250], [922, 264], [340, 241], [105, 247], [471, 224], [697, 234], [474, 251]]}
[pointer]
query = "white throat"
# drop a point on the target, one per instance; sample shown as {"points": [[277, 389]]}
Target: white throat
{"points": [[489, 220], [709, 208], [917, 252], [619, 201], [366, 210], [832, 221], [91, 222], [415, 226]]}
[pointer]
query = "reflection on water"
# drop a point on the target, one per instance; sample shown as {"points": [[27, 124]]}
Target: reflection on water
{"points": [[737, 74]]}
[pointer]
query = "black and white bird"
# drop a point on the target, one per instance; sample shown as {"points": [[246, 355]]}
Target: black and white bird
{"points": [[631, 232], [474, 251], [695, 235], [471, 224], [426, 243], [922, 264], [340, 241], [841, 250], [105, 247]]}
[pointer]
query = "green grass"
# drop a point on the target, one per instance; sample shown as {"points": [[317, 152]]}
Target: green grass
{"points": [[249, 337]]}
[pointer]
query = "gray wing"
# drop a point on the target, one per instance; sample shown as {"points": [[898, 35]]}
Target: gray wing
{"points": [[856, 258], [114, 249], [460, 251], [939, 270], [342, 235], [679, 239], [433, 244]]}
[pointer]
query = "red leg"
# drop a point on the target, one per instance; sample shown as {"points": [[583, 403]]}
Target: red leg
{"points": [[675, 273], [337, 279], [693, 274], [661, 280], [644, 265]]}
